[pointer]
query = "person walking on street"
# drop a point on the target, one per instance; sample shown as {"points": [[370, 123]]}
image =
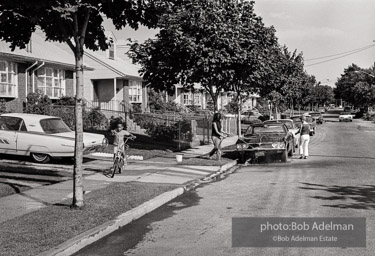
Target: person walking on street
{"points": [[217, 136], [305, 138]]}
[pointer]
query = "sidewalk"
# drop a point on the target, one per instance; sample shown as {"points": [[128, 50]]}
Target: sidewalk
{"points": [[156, 170]]}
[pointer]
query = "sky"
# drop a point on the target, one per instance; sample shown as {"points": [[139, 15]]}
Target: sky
{"points": [[317, 28]]}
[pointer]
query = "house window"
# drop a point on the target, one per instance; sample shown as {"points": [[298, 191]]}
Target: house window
{"points": [[8, 81], [186, 99], [51, 82], [197, 99], [135, 91], [111, 52]]}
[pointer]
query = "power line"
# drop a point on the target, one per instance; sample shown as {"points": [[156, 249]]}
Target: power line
{"points": [[337, 54], [339, 57]]}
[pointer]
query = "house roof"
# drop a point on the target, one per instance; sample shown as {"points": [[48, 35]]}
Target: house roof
{"points": [[121, 67], [41, 51]]}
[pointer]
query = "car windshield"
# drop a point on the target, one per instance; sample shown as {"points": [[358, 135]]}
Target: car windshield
{"points": [[264, 129], [54, 125]]}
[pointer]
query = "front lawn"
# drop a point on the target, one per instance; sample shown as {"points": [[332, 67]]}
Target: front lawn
{"points": [[41, 230]]}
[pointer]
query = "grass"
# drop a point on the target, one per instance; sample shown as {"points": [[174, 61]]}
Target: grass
{"points": [[41, 230], [7, 189]]}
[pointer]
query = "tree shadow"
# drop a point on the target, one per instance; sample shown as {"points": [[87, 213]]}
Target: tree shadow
{"points": [[355, 197]]}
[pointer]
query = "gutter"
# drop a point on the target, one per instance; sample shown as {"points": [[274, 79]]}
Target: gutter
{"points": [[35, 69], [27, 76]]}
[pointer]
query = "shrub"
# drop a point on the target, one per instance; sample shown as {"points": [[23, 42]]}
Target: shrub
{"points": [[37, 103], [137, 108], [3, 106], [94, 119]]}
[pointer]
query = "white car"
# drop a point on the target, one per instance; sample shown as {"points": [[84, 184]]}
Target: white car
{"points": [[42, 137], [345, 116]]}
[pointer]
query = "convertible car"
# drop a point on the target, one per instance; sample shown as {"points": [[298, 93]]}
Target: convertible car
{"points": [[291, 127], [42, 137], [267, 141]]}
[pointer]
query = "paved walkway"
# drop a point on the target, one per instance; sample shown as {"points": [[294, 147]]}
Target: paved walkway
{"points": [[156, 170]]}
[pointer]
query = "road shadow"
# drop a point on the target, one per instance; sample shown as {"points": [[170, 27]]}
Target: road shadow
{"points": [[355, 197]]}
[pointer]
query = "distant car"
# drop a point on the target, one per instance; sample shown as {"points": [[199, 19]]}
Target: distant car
{"points": [[262, 140], [345, 116], [310, 120], [291, 127], [248, 116], [322, 109], [317, 116], [43, 137]]}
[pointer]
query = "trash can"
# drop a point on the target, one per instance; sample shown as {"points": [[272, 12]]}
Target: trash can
{"points": [[179, 158]]}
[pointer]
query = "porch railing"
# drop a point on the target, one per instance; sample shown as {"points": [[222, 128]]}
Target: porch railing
{"points": [[112, 105]]}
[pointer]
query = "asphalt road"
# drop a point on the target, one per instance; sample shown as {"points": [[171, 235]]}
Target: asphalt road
{"points": [[336, 181]]}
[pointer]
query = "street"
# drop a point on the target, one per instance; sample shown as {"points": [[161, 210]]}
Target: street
{"points": [[337, 180]]}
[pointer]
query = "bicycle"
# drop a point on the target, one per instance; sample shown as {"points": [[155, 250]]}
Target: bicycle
{"points": [[120, 158]]}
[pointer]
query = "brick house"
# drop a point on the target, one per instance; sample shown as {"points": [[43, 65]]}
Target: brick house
{"points": [[40, 66]]}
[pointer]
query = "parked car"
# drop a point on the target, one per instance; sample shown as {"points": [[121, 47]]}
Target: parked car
{"points": [[42, 137], [345, 116], [262, 140], [291, 127], [248, 116], [310, 120], [322, 109], [317, 116]]}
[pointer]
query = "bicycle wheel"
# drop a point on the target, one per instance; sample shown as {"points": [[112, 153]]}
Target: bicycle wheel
{"points": [[116, 167]]}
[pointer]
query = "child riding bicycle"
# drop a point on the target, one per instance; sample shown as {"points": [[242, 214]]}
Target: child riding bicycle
{"points": [[119, 134]]}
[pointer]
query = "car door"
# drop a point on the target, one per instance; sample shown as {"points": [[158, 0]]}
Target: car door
{"points": [[9, 127]]}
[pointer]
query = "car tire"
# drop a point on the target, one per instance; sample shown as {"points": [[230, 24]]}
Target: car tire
{"points": [[283, 156], [351, 120], [40, 158]]}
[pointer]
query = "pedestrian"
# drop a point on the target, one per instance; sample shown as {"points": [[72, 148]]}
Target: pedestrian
{"points": [[305, 138], [217, 135]]}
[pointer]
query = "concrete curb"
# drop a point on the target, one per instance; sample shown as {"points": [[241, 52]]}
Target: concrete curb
{"points": [[77, 243]]}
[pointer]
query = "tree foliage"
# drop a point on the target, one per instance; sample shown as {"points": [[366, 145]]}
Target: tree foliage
{"points": [[222, 45], [78, 23], [355, 86]]}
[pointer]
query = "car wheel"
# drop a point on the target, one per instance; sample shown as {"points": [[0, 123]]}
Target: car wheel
{"points": [[40, 158], [351, 120], [284, 157]]}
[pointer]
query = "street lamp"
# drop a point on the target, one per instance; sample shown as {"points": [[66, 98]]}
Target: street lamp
{"points": [[360, 71]]}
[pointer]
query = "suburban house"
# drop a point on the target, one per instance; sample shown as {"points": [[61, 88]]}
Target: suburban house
{"points": [[201, 99], [115, 83], [40, 66]]}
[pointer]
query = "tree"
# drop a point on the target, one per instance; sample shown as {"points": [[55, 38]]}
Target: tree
{"points": [[323, 95], [78, 23], [355, 86], [204, 42], [222, 45]]}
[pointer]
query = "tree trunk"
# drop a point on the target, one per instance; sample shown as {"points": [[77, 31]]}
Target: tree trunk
{"points": [[239, 108], [78, 149]]}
